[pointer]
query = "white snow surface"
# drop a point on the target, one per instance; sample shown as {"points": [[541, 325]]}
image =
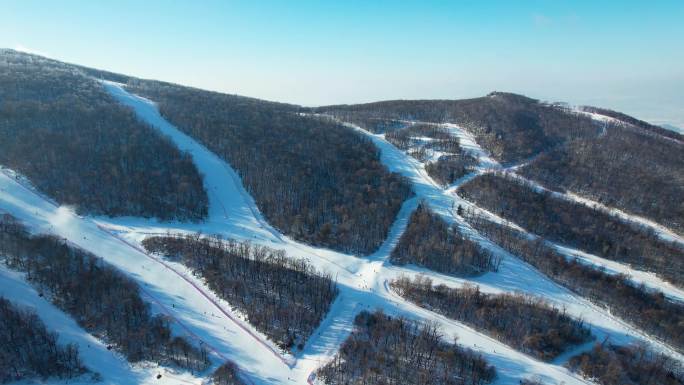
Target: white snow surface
{"points": [[363, 281], [489, 164], [659, 230], [94, 354]]}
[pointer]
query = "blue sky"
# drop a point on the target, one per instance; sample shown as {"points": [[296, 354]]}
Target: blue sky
{"points": [[627, 55]]}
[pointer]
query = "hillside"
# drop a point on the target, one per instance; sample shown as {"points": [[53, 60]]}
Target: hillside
{"points": [[511, 127], [157, 233], [589, 151], [75, 143], [313, 179]]}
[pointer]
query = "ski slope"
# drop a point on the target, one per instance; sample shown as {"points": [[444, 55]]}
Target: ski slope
{"points": [[488, 164], [93, 353], [659, 230], [363, 282], [192, 305], [513, 274], [649, 279]]}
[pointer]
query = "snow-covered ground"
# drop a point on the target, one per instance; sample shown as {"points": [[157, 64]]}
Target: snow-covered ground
{"points": [[94, 354], [363, 281], [513, 275], [659, 230], [649, 279], [197, 312], [467, 142], [488, 164]]}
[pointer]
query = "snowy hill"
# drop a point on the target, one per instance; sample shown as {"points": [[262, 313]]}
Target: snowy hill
{"points": [[380, 203]]}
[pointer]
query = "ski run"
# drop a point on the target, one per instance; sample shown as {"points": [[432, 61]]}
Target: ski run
{"points": [[203, 317]]}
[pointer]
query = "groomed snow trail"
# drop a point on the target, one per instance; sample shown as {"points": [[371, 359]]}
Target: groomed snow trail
{"points": [[488, 165], [659, 230], [190, 305], [649, 279], [514, 274], [94, 354], [363, 282]]}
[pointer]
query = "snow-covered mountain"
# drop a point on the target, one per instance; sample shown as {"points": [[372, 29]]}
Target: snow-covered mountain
{"points": [[491, 240]]}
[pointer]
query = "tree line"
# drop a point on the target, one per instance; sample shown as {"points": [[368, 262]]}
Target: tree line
{"points": [[393, 351], [430, 242], [63, 131], [453, 164], [227, 374], [633, 303], [102, 300], [627, 168], [635, 122], [511, 127], [525, 323], [314, 179], [576, 225], [370, 123], [29, 350], [610, 364], [449, 168], [284, 298], [415, 134]]}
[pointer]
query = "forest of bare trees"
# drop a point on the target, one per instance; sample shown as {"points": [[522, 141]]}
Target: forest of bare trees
{"points": [[101, 299], [282, 297], [511, 127], [574, 224], [525, 323], [638, 172], [28, 350], [226, 374], [430, 242], [449, 168], [635, 122], [314, 179], [430, 135], [391, 351], [427, 141], [78, 145], [370, 123], [618, 293], [609, 364], [321, 182]]}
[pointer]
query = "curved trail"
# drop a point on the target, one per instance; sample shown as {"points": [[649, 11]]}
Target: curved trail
{"points": [[522, 277], [362, 282], [489, 165], [359, 279]]}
